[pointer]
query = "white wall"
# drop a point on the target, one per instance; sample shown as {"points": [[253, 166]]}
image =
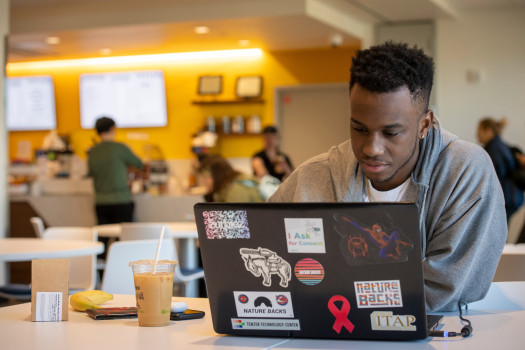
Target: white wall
{"points": [[493, 44]]}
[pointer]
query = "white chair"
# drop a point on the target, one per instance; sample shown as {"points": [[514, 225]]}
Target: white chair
{"points": [[131, 231], [82, 270], [38, 226], [118, 277]]}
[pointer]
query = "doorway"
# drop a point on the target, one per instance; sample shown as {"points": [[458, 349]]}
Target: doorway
{"points": [[312, 118]]}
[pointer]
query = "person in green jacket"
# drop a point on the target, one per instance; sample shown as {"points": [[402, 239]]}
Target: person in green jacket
{"points": [[108, 164], [225, 184]]}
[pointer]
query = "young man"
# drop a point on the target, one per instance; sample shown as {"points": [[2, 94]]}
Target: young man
{"points": [[271, 161], [108, 165], [398, 152]]}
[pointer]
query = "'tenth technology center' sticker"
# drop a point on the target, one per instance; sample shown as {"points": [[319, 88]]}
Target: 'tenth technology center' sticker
{"points": [[229, 224], [309, 271], [265, 324], [305, 235], [264, 304]]}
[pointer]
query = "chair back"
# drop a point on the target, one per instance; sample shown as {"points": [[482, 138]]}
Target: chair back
{"points": [[38, 225], [118, 277], [131, 231], [82, 269]]}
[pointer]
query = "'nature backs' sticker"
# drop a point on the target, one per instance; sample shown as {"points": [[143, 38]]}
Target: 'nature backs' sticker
{"points": [[375, 294], [309, 271], [230, 224], [264, 304]]}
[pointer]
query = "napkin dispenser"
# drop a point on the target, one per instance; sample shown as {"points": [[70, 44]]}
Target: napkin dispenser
{"points": [[49, 290]]}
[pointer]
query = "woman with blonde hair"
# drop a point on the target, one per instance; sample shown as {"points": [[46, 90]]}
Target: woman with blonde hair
{"points": [[489, 135]]}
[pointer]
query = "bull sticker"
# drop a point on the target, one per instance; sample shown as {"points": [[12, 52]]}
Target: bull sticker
{"points": [[263, 262], [387, 321], [229, 224], [264, 304], [374, 242]]}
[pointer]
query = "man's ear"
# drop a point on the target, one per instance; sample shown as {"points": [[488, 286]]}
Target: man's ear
{"points": [[425, 123]]}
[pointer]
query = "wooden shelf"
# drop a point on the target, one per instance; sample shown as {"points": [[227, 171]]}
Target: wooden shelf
{"points": [[238, 135], [227, 102]]}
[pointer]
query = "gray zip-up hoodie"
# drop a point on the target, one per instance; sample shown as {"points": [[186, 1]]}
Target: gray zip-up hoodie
{"points": [[462, 211]]}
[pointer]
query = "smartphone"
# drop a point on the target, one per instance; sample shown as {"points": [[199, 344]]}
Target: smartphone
{"points": [[186, 315]]}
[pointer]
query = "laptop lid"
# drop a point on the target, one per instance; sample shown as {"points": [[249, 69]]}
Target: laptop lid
{"points": [[321, 270]]}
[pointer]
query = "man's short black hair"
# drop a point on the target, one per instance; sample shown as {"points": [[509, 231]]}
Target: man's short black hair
{"points": [[270, 130], [390, 66], [104, 124]]}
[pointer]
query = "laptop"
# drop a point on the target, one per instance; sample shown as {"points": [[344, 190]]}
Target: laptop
{"points": [[317, 270]]}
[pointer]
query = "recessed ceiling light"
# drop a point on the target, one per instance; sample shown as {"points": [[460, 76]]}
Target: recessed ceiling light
{"points": [[244, 42], [105, 51], [52, 40], [201, 29]]}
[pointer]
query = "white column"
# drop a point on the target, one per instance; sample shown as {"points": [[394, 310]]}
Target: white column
{"points": [[4, 30]]}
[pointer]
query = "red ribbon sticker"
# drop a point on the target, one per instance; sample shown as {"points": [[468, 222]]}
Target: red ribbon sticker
{"points": [[341, 315]]}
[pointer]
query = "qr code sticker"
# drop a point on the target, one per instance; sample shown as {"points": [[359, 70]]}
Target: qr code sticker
{"points": [[230, 224]]}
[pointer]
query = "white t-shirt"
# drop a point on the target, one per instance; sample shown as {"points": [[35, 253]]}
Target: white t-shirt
{"points": [[394, 195]]}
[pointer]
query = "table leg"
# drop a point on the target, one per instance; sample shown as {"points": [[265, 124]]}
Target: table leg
{"points": [[189, 260]]}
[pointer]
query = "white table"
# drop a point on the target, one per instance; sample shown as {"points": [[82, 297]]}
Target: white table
{"points": [[497, 322], [185, 232], [25, 249], [180, 230], [514, 249]]}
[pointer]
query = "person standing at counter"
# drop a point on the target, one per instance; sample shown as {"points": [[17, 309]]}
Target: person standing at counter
{"points": [[271, 161], [108, 164]]}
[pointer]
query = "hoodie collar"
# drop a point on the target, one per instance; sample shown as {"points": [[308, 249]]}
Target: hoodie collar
{"points": [[349, 181]]}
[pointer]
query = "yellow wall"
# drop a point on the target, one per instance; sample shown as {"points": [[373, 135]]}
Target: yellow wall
{"points": [[185, 118]]}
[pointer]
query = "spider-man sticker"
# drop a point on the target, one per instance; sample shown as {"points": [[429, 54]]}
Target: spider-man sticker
{"points": [[374, 242]]}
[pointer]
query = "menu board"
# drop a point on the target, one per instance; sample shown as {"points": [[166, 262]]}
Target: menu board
{"points": [[131, 99], [30, 103]]}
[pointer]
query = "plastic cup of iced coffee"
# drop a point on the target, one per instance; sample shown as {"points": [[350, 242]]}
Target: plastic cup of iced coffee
{"points": [[153, 291]]}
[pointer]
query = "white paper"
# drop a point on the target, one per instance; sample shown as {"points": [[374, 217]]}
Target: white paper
{"points": [[49, 306]]}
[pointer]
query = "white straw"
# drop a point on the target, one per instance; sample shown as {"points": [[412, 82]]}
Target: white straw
{"points": [[158, 249]]}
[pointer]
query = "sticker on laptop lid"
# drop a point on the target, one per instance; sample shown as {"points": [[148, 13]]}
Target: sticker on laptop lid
{"points": [[309, 271], [264, 304], [376, 294], [229, 224], [262, 262], [266, 324], [304, 235], [371, 243], [341, 313], [387, 321]]}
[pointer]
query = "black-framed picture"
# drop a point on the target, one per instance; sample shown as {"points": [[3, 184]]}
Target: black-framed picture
{"points": [[249, 86], [210, 85]]}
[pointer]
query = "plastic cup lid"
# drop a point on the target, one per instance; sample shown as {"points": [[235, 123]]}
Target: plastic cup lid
{"points": [[152, 262]]}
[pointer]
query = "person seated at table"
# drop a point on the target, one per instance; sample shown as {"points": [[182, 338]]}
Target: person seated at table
{"points": [[271, 161], [225, 184], [489, 135], [399, 152]]}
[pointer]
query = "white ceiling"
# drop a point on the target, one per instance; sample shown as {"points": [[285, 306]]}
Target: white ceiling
{"points": [[158, 26]]}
